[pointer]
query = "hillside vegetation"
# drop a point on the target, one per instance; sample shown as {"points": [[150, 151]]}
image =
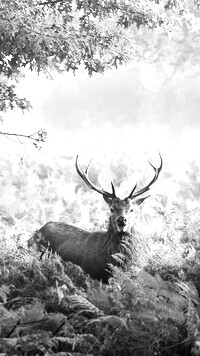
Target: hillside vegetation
{"points": [[49, 307]]}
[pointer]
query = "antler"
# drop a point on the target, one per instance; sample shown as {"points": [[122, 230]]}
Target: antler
{"points": [[145, 189], [84, 176]]}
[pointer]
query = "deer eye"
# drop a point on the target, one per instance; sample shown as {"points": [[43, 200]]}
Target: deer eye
{"points": [[112, 210], [131, 210]]}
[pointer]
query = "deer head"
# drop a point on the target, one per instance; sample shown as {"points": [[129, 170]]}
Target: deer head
{"points": [[120, 208]]}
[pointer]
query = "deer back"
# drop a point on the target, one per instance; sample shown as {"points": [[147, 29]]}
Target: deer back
{"points": [[93, 251]]}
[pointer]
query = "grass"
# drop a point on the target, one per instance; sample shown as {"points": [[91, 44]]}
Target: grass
{"points": [[50, 307]]}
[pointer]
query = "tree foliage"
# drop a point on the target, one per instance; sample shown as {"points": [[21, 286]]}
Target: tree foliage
{"points": [[64, 35]]}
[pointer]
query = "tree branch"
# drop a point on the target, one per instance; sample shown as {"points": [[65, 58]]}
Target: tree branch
{"points": [[50, 2], [36, 138]]}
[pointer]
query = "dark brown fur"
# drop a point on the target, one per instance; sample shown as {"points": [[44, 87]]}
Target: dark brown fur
{"points": [[91, 250]]}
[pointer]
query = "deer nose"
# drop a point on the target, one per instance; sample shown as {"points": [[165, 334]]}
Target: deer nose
{"points": [[121, 221]]}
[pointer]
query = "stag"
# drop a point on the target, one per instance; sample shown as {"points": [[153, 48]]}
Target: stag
{"points": [[94, 251]]}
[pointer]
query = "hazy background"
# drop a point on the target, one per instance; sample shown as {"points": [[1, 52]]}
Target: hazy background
{"points": [[130, 110], [120, 120]]}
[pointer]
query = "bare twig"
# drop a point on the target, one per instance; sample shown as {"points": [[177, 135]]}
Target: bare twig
{"points": [[35, 321], [58, 329], [35, 138], [177, 344], [49, 2], [13, 329]]}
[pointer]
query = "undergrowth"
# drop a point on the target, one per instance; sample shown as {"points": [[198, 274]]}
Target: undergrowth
{"points": [[51, 307]]}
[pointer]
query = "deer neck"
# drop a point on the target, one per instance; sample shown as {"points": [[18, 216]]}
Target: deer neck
{"points": [[113, 236], [113, 241]]}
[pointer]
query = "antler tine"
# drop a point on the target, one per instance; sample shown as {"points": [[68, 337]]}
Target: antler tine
{"points": [[113, 189], [87, 166], [84, 176], [132, 191], [145, 189]]}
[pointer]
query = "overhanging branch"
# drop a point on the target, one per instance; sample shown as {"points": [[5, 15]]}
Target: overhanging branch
{"points": [[35, 139]]}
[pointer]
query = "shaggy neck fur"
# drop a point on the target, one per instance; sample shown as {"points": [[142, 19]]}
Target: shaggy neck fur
{"points": [[114, 238]]}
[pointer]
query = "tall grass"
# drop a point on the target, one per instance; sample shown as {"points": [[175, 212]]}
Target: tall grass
{"points": [[152, 308]]}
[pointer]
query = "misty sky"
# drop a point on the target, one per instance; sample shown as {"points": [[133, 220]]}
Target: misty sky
{"points": [[118, 96], [122, 107]]}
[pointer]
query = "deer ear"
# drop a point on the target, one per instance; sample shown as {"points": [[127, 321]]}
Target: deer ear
{"points": [[108, 200], [140, 201]]}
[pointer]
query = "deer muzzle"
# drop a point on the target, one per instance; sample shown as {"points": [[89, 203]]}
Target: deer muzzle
{"points": [[121, 223]]}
